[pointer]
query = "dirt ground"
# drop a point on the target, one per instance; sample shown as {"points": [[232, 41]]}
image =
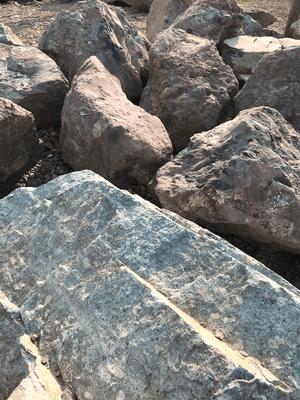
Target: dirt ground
{"points": [[29, 21]]}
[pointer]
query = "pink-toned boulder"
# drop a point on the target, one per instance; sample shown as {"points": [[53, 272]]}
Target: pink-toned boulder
{"points": [[189, 86], [242, 177], [19, 145], [93, 28], [106, 133]]}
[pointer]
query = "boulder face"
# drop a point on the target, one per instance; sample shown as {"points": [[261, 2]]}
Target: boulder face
{"points": [[134, 303], [189, 86], [264, 18], [242, 177], [105, 132], [163, 13], [8, 37], [19, 145], [94, 28], [212, 19], [141, 5], [32, 80], [274, 83]]}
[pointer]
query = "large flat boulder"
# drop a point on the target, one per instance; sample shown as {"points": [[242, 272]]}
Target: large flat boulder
{"points": [[93, 28], [103, 131], [189, 85], [19, 144], [212, 19], [274, 83], [242, 177], [134, 303], [31, 79]]}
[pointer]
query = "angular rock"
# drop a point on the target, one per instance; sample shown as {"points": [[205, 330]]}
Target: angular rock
{"points": [[243, 53], [32, 80], [8, 37], [141, 5], [133, 303], [212, 19], [189, 86], [105, 132], [13, 368], [264, 18], [92, 28], [242, 177], [19, 145], [253, 28], [274, 83], [163, 13]]}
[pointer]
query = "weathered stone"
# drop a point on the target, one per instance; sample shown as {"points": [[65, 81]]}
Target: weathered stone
{"points": [[13, 368], [212, 19], [93, 28], [8, 37], [142, 5], [32, 80], [105, 132], [253, 28], [189, 85], [163, 13], [295, 30], [264, 18], [19, 145], [242, 177], [243, 53], [274, 83], [130, 302]]}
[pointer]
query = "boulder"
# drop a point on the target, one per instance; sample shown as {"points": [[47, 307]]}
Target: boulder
{"points": [[8, 37], [93, 28], [264, 18], [242, 177], [31, 79], [19, 145], [189, 85], [103, 131], [213, 19], [243, 53], [295, 30], [141, 5], [274, 83], [253, 28], [163, 13], [133, 303]]}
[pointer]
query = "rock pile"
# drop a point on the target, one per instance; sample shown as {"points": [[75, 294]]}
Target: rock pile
{"points": [[103, 294]]}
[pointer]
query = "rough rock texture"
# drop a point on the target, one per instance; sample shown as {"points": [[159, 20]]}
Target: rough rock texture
{"points": [[132, 303], [8, 37], [242, 177], [264, 18], [94, 28], [19, 145], [163, 13], [105, 132], [13, 368], [32, 80], [275, 83], [243, 53], [295, 30], [189, 85], [142, 5], [253, 28], [213, 19]]}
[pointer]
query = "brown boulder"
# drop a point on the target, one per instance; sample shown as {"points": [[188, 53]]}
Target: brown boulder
{"points": [[104, 132], [31, 79], [93, 28], [274, 83], [189, 85], [19, 145], [242, 177]]}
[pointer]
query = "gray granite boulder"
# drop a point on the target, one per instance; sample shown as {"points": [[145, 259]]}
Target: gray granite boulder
{"points": [[93, 28], [103, 131], [31, 79], [241, 177], [274, 83], [132, 302], [189, 85], [19, 144]]}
